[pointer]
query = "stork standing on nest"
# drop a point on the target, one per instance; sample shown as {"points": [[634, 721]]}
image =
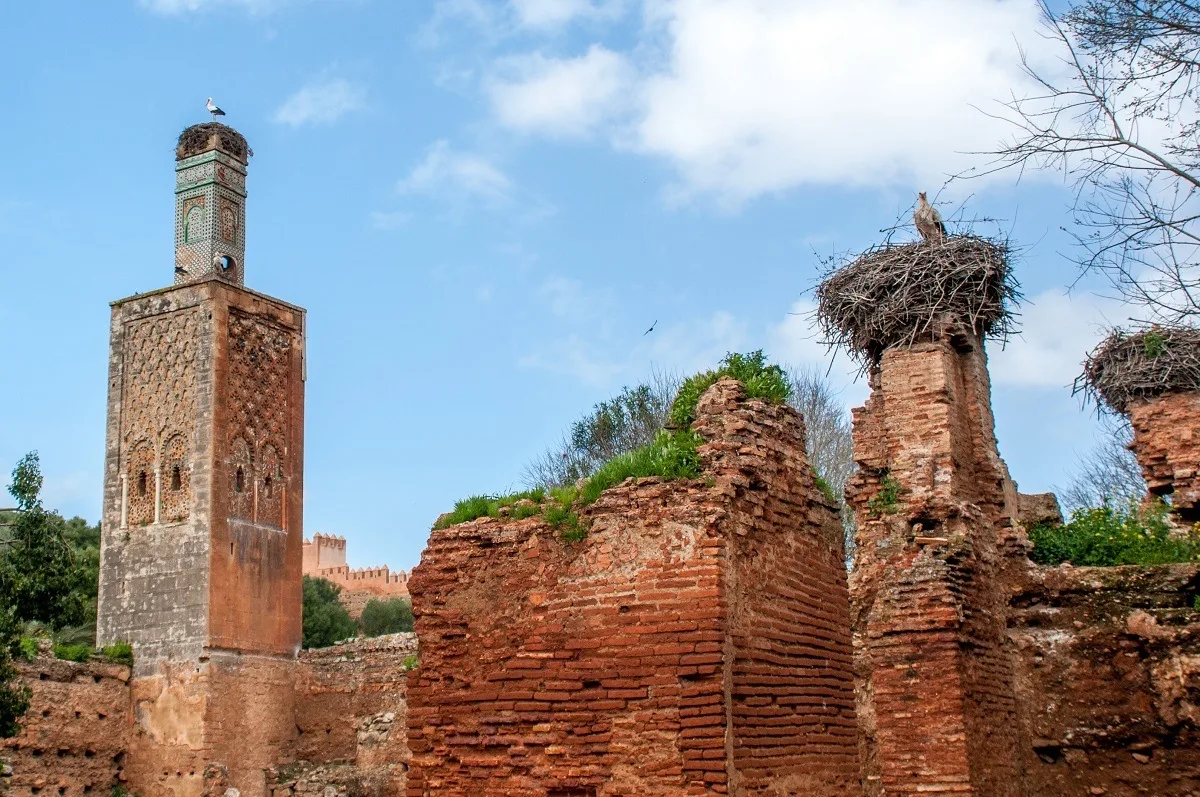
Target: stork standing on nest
{"points": [[215, 111], [929, 221]]}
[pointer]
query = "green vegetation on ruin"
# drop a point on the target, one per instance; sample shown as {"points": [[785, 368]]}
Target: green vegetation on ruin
{"points": [[1107, 536], [119, 653], [381, 617], [671, 455], [887, 500]]}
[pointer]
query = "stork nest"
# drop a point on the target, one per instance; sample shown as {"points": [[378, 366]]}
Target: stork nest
{"points": [[212, 135], [895, 295], [1140, 364]]}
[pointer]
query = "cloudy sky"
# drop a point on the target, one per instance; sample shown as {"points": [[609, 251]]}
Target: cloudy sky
{"points": [[484, 203]]}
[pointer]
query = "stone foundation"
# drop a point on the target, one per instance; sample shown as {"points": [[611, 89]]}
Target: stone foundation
{"points": [[694, 643]]}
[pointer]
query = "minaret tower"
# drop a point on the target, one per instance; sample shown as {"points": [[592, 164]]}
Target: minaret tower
{"points": [[202, 523]]}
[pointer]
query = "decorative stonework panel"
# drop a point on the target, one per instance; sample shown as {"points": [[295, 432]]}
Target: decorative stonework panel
{"points": [[158, 409], [241, 480], [229, 221], [259, 368], [176, 480]]}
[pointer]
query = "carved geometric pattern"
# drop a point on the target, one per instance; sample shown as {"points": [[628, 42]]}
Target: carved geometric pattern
{"points": [[229, 221], [259, 370], [157, 401], [241, 480], [176, 480]]}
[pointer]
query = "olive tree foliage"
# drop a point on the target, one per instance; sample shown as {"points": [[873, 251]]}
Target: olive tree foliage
{"points": [[1121, 121], [1108, 475]]}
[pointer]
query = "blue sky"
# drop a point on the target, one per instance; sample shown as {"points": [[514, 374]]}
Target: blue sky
{"points": [[484, 203]]}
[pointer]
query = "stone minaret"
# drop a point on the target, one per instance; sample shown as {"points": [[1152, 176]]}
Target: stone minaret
{"points": [[202, 520]]}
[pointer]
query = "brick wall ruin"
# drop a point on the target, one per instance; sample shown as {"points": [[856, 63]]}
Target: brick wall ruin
{"points": [[695, 642], [934, 507], [75, 736], [1107, 679], [1166, 440]]}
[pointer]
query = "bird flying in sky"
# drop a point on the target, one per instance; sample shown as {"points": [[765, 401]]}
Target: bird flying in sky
{"points": [[651, 329], [213, 109], [928, 220]]}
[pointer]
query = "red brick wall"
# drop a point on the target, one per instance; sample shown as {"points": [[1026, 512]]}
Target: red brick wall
{"points": [[1166, 439], [1108, 680], [653, 657], [75, 734]]}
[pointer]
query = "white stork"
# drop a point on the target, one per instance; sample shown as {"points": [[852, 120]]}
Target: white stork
{"points": [[928, 220], [215, 111]]}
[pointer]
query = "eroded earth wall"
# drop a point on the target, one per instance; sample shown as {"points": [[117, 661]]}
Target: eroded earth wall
{"points": [[634, 663], [76, 733], [1108, 680]]}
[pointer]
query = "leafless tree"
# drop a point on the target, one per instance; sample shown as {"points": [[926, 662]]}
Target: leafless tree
{"points": [[1122, 123], [1108, 474], [830, 446]]}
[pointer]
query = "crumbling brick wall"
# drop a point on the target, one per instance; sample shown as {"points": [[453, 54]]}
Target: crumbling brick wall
{"points": [[934, 506], [694, 642], [1166, 440], [1108, 680], [75, 735]]}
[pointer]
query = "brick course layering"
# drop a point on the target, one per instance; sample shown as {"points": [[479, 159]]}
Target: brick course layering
{"points": [[1166, 440], [695, 642]]}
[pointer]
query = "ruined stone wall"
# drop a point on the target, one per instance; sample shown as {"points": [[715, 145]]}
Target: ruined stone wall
{"points": [[1166, 440], [652, 658], [1108, 680], [75, 735], [933, 502]]}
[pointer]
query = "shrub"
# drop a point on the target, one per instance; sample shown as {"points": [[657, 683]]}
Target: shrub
{"points": [[410, 663], [768, 382], [887, 500], [1106, 536], [325, 620], [825, 489], [77, 652], [119, 652], [29, 648], [386, 617]]}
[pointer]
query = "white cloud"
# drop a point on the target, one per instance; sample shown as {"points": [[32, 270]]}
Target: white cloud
{"points": [[760, 96], [446, 171], [321, 102], [556, 13], [560, 97], [1057, 333]]}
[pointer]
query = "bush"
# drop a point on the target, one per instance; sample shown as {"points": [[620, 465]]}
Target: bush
{"points": [[29, 648], [887, 500], [1107, 536], [119, 652], [386, 617], [78, 652], [768, 382], [410, 663], [325, 620]]}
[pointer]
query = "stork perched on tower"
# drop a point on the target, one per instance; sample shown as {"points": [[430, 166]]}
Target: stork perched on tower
{"points": [[215, 111], [929, 221]]}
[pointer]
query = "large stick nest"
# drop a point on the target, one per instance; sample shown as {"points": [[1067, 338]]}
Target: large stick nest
{"points": [[895, 295], [212, 135], [1140, 364]]}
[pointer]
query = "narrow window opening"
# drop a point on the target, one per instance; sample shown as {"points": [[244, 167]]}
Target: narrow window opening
{"points": [[231, 549], [268, 484], [176, 479], [141, 484], [239, 481]]}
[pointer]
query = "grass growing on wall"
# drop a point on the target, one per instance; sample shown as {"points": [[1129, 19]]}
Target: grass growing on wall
{"points": [[1107, 536], [671, 455]]}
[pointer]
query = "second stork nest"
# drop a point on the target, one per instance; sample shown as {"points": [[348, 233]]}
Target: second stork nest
{"points": [[1140, 364], [895, 295]]}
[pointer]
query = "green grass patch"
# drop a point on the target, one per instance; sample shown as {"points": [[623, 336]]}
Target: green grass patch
{"points": [[478, 506], [410, 663], [672, 455], [824, 487], [29, 648], [1154, 342], [1108, 536], [119, 652], [887, 500], [79, 652], [761, 380]]}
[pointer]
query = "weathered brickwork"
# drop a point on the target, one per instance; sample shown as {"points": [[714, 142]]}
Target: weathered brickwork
{"points": [[934, 506], [1108, 680], [1166, 440], [76, 734], [665, 654]]}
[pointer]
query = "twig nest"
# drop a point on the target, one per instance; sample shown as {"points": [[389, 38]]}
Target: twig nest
{"points": [[209, 136], [1140, 364], [898, 295]]}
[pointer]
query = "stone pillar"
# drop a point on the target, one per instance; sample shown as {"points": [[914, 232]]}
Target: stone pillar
{"points": [[1166, 441], [934, 505]]}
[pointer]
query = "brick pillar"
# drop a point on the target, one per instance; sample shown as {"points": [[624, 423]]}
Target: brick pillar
{"points": [[934, 503], [1166, 440]]}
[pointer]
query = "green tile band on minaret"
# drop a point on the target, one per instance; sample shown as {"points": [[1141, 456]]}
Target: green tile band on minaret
{"points": [[210, 203]]}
